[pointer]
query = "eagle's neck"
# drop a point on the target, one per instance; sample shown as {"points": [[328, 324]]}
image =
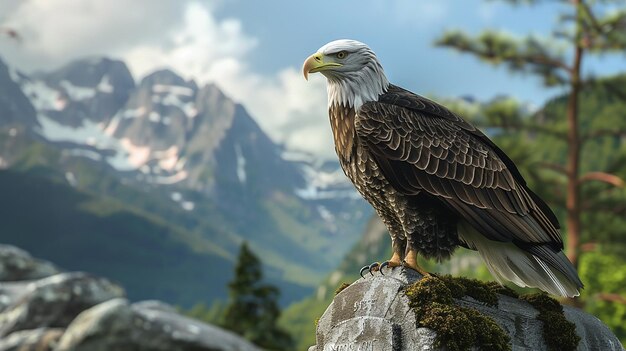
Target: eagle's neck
{"points": [[353, 89]]}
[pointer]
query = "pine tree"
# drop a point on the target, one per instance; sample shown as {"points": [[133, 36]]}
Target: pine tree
{"points": [[252, 310], [582, 33]]}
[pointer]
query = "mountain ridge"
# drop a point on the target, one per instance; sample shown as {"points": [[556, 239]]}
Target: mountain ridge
{"points": [[165, 144]]}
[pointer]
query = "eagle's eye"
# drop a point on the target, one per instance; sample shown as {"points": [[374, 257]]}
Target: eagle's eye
{"points": [[342, 54]]}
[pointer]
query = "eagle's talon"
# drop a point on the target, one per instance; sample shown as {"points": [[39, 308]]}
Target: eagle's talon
{"points": [[373, 266], [383, 265], [363, 269]]}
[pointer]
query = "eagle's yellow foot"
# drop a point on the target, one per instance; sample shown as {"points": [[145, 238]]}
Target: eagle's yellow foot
{"points": [[410, 261], [394, 261]]}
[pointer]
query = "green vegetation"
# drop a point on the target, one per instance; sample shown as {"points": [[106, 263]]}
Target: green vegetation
{"points": [[572, 151], [252, 309], [78, 230], [558, 333], [273, 225], [342, 287], [457, 328]]}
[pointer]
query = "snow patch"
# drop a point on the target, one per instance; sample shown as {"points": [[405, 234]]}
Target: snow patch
{"points": [[127, 156], [77, 93], [41, 95], [137, 155], [172, 89], [325, 214], [172, 179], [105, 85], [176, 196], [71, 179], [112, 127], [167, 158], [326, 185], [84, 153], [154, 117], [180, 164], [297, 156], [188, 108], [241, 164], [134, 113], [187, 205]]}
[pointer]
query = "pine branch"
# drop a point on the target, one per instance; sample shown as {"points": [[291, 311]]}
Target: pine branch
{"points": [[520, 55], [607, 178], [604, 34], [603, 133], [524, 127]]}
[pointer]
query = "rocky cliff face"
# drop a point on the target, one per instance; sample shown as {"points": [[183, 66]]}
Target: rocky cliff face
{"points": [[15, 107], [47, 310], [375, 314]]}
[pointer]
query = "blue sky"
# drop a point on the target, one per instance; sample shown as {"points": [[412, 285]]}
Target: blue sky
{"points": [[402, 34], [254, 50]]}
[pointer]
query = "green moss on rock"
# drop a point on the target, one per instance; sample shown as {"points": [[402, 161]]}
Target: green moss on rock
{"points": [[558, 333], [454, 330], [502, 290], [475, 288], [489, 335], [457, 328], [341, 287]]}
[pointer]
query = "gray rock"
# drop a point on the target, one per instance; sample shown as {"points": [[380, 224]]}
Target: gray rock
{"points": [[373, 314], [116, 325], [55, 301], [41, 339], [155, 305], [17, 264], [11, 292]]}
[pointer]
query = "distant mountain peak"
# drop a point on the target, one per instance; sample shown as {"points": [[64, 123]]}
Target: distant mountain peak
{"points": [[167, 77], [90, 72]]}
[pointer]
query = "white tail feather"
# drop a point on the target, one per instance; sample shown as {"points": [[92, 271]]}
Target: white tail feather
{"points": [[506, 261]]}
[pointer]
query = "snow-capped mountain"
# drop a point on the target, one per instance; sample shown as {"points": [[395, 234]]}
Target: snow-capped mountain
{"points": [[193, 148]]}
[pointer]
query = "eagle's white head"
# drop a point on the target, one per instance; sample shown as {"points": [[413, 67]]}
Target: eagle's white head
{"points": [[354, 74]]}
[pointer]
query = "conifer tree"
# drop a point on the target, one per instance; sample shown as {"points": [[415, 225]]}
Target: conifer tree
{"points": [[558, 60], [252, 310]]}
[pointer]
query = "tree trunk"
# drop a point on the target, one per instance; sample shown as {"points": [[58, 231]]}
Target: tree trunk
{"points": [[573, 150]]}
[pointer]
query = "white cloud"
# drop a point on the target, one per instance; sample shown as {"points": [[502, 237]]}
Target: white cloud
{"points": [[55, 31], [288, 108], [182, 35]]}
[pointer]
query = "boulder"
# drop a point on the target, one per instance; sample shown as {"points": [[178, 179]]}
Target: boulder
{"points": [[40, 339], [118, 325], [55, 301], [374, 314], [17, 264]]}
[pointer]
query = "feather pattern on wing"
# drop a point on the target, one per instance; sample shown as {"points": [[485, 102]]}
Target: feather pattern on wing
{"points": [[420, 145]]}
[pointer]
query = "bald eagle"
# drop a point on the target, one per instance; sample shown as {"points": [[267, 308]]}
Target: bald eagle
{"points": [[435, 180]]}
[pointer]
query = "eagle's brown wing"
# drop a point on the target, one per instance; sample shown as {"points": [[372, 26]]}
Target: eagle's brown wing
{"points": [[421, 146]]}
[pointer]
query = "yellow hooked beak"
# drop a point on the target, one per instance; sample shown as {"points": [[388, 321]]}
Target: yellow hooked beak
{"points": [[315, 63]]}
